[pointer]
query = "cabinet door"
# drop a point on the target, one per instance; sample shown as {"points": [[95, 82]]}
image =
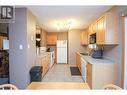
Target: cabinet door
{"points": [[44, 65], [101, 31], [84, 38], [51, 39], [94, 27], [78, 61], [90, 30], [89, 74]]}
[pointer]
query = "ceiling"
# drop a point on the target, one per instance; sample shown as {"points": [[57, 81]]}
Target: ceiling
{"points": [[62, 18]]}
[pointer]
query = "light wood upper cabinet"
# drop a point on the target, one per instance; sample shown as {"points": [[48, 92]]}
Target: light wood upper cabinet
{"points": [[51, 39], [100, 36], [84, 38], [90, 29], [106, 29], [94, 27]]}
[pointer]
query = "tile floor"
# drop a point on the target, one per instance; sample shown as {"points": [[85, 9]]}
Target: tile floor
{"points": [[61, 73]]}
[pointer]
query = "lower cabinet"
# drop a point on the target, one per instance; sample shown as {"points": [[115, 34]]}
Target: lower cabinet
{"points": [[99, 75], [78, 61], [45, 61], [89, 75]]}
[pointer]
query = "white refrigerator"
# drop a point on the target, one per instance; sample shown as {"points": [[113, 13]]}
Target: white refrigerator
{"points": [[62, 51]]}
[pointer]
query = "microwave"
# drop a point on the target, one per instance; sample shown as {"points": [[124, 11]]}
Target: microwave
{"points": [[92, 38]]}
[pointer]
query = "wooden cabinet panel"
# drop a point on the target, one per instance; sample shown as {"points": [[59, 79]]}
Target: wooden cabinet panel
{"points": [[101, 31], [94, 27], [43, 38], [84, 38], [100, 74], [45, 64], [90, 30], [78, 61], [51, 39], [89, 75], [106, 29]]}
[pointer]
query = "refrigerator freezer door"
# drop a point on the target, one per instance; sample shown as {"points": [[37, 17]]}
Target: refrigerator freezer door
{"points": [[61, 55], [62, 43]]}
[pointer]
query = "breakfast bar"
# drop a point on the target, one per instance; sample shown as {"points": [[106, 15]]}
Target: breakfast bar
{"points": [[58, 86]]}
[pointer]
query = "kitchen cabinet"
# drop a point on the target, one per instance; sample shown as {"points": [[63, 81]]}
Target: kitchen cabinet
{"points": [[43, 38], [45, 61], [99, 75], [94, 27], [51, 39], [91, 29], [89, 75], [84, 38], [101, 31], [78, 61], [107, 29]]}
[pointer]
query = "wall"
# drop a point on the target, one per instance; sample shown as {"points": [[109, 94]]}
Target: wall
{"points": [[31, 43], [17, 57], [74, 45], [22, 47], [62, 35], [114, 52]]}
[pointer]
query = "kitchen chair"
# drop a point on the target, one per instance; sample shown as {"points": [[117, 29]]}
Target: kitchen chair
{"points": [[111, 87], [8, 87]]}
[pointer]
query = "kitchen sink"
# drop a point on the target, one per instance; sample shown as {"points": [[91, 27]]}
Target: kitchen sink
{"points": [[84, 53]]}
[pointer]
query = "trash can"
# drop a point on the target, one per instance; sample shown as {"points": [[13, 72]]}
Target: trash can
{"points": [[36, 74]]}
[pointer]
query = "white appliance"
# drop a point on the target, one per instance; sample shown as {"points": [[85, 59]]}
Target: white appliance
{"points": [[83, 68], [61, 51], [52, 58]]}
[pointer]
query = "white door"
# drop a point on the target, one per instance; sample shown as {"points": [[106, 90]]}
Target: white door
{"points": [[61, 55], [62, 43]]}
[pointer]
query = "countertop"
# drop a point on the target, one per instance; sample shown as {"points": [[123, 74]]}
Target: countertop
{"points": [[57, 85], [91, 60], [42, 54]]}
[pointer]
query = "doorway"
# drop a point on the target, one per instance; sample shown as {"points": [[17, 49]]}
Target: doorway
{"points": [[124, 50], [125, 54]]}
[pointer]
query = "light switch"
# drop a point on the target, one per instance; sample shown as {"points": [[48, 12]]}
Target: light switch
{"points": [[20, 47], [28, 46]]}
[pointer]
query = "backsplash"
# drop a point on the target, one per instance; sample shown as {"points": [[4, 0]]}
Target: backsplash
{"points": [[112, 53]]}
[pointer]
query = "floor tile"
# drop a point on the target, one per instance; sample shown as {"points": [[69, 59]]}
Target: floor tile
{"points": [[61, 73]]}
